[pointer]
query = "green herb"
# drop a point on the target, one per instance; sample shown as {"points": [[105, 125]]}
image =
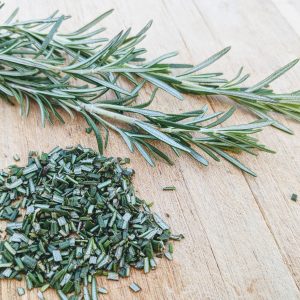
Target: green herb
{"points": [[134, 287], [20, 291], [77, 225], [102, 290], [40, 295], [16, 157], [169, 188], [112, 276], [44, 287], [61, 295], [94, 289], [168, 255], [294, 197], [40, 64]]}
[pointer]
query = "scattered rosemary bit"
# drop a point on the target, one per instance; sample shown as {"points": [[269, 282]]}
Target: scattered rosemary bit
{"points": [[40, 295], [82, 219], [20, 291], [168, 255], [169, 188], [102, 290], [135, 287], [294, 197], [88, 130], [16, 157]]}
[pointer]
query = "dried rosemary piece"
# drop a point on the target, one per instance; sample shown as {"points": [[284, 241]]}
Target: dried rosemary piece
{"points": [[135, 287], [82, 219], [16, 157], [169, 188], [294, 197], [102, 290], [20, 291]]}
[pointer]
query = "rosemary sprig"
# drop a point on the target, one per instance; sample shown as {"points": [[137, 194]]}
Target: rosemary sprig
{"points": [[38, 64], [118, 59]]}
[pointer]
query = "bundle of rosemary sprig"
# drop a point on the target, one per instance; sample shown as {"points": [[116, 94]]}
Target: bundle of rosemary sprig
{"points": [[38, 64]]}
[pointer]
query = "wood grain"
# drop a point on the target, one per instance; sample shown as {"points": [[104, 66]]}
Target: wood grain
{"points": [[242, 233]]}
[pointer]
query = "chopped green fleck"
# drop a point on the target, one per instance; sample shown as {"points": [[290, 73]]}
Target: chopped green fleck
{"points": [[20, 291], [135, 287], [40, 295], [94, 289], [88, 130], [30, 169], [45, 287], [168, 255], [16, 157], [56, 255], [102, 290], [146, 265], [113, 276], [169, 188], [14, 184], [82, 219], [294, 197], [62, 295], [9, 248]]}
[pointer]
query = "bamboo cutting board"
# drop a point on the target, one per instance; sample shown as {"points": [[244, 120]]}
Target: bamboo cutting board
{"points": [[242, 234]]}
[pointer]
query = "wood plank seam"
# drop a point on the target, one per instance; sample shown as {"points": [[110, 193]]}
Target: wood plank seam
{"points": [[245, 176], [272, 233]]}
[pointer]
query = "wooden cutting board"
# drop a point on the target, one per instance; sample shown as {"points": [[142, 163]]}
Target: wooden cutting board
{"points": [[242, 234]]}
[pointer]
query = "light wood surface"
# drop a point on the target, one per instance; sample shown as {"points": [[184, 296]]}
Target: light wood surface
{"points": [[242, 234]]}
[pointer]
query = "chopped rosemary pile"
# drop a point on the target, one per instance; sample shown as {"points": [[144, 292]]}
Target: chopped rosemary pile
{"points": [[82, 219]]}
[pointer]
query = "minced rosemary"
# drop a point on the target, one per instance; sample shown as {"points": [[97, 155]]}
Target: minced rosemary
{"points": [[135, 287], [294, 197], [20, 291], [102, 290], [82, 219], [169, 188], [16, 157]]}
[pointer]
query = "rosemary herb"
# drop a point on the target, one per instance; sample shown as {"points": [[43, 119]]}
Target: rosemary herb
{"points": [[294, 197], [168, 255], [20, 291], [38, 63], [113, 276], [40, 295], [169, 188], [119, 58], [82, 219], [135, 287], [16, 157]]}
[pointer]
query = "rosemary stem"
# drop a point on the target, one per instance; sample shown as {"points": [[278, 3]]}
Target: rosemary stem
{"points": [[112, 106], [91, 108]]}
